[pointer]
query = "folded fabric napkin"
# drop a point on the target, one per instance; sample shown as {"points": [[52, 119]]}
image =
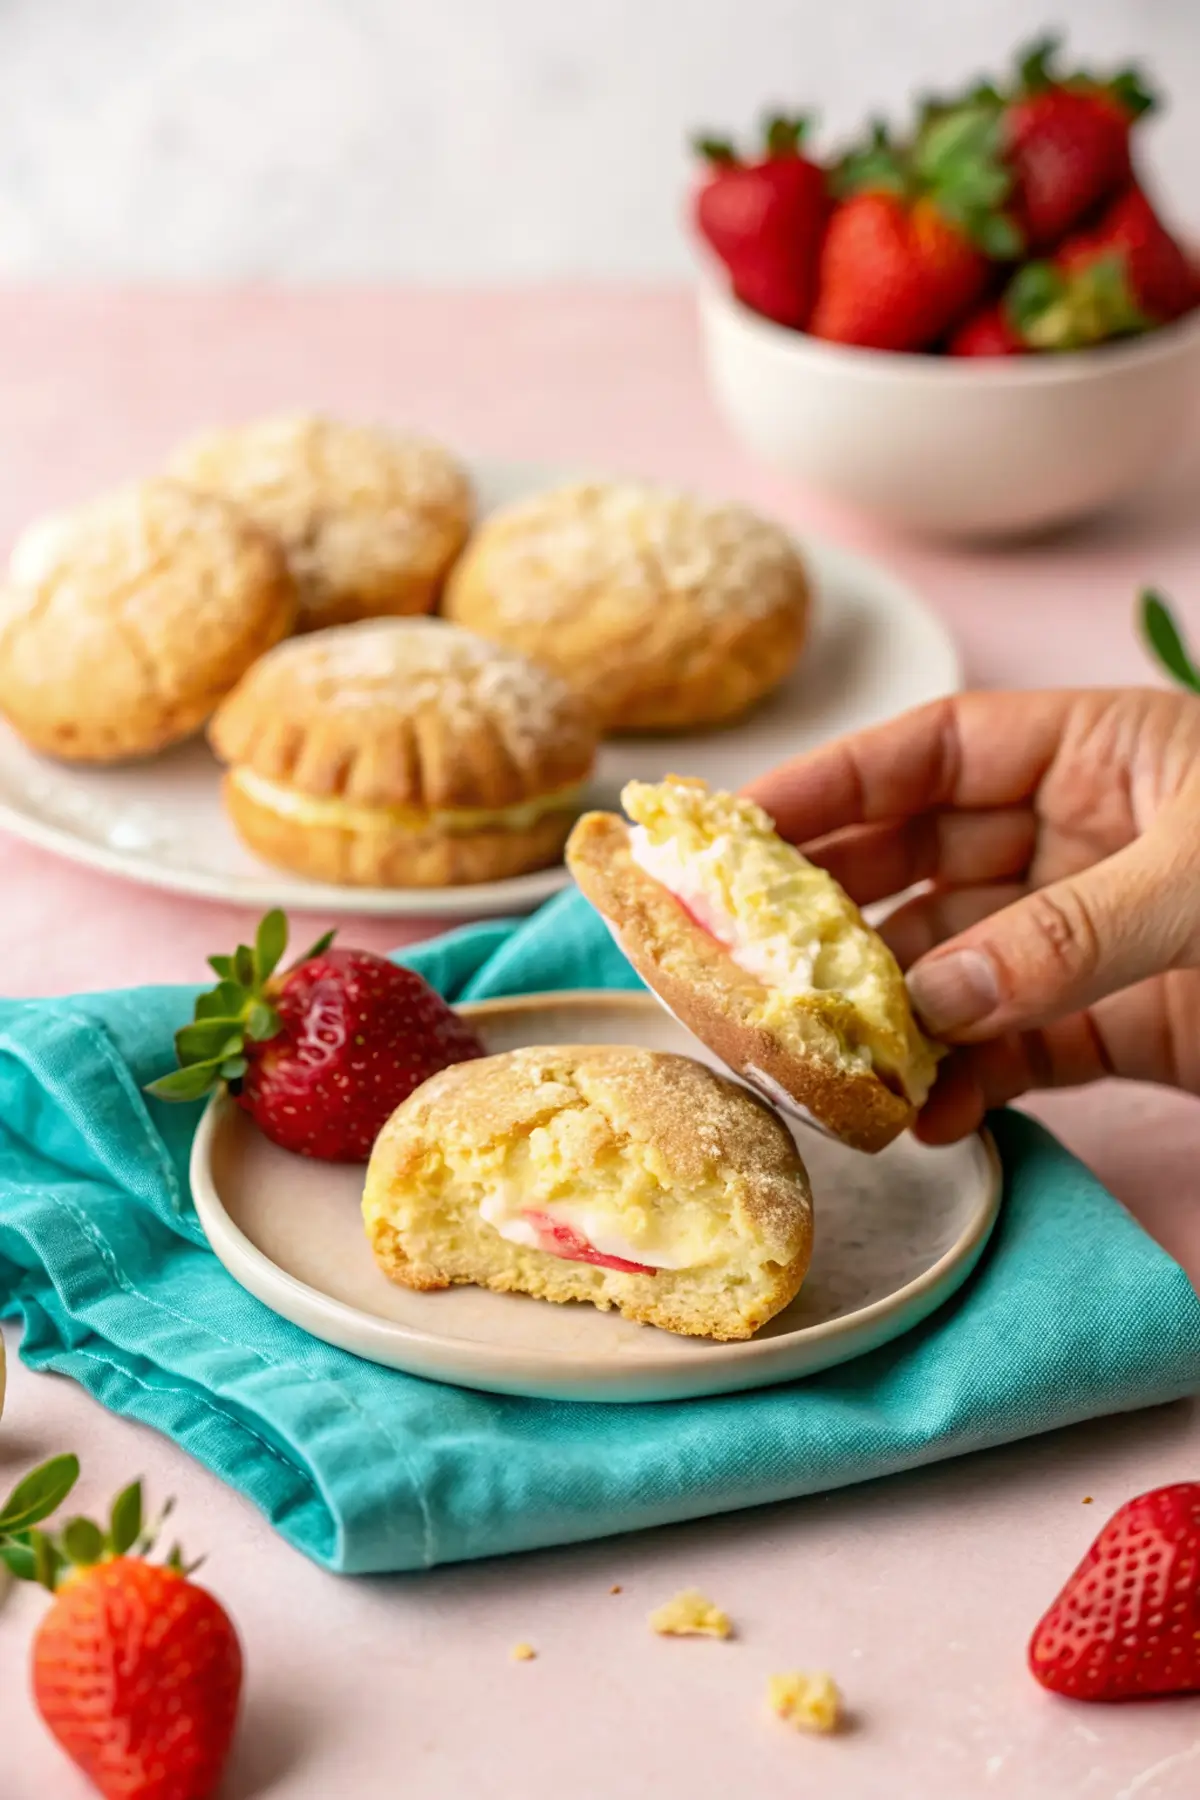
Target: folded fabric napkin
{"points": [[1074, 1311]]}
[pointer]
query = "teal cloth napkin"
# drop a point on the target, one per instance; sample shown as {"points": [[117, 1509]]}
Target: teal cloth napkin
{"points": [[1073, 1312]]}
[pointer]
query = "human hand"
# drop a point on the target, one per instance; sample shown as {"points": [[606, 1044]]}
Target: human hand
{"points": [[1059, 940]]}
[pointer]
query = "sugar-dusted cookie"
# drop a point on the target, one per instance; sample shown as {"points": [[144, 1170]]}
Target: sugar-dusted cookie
{"points": [[664, 611], [371, 520], [403, 753], [124, 622]]}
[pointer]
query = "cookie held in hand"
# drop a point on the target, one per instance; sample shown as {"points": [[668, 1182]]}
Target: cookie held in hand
{"points": [[760, 954]]}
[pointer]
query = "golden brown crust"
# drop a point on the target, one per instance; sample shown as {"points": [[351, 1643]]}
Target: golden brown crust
{"points": [[407, 859], [695, 1129], [370, 520], [412, 712], [125, 622], [664, 612], [718, 1001]]}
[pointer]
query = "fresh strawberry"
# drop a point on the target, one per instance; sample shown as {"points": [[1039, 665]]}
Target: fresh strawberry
{"points": [[906, 254], [1127, 1624], [137, 1672], [1126, 275], [765, 219], [321, 1055], [986, 333], [1066, 140]]}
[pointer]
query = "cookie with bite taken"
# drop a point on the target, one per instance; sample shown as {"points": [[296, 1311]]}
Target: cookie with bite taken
{"points": [[759, 953], [629, 1178]]}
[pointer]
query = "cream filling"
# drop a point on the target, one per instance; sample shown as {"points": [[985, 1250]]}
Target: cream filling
{"points": [[309, 809], [777, 961], [505, 1211]]}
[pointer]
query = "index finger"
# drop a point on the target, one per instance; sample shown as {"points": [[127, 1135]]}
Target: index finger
{"points": [[969, 750]]}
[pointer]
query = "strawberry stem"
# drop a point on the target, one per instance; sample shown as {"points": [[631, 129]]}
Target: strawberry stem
{"points": [[715, 150], [31, 1554], [238, 1011]]}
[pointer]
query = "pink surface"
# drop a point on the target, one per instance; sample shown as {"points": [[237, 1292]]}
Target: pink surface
{"points": [[918, 1593]]}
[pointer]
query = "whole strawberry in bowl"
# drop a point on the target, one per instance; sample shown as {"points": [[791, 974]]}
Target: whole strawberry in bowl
{"points": [[320, 1053], [764, 218]]}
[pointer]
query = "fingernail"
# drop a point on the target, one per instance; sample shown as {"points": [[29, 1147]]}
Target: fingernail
{"points": [[953, 991]]}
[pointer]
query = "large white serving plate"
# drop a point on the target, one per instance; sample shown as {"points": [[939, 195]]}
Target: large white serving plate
{"points": [[875, 650], [896, 1236]]}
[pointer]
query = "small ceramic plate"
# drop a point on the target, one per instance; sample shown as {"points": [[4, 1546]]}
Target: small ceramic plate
{"points": [[875, 650], [896, 1235]]}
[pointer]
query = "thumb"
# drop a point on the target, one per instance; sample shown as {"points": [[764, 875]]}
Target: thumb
{"points": [[1064, 947]]}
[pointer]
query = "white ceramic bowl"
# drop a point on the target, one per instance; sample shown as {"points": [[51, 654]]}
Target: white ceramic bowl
{"points": [[947, 446]]}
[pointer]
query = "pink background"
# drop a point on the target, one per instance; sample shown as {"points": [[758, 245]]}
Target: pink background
{"points": [[918, 1593]]}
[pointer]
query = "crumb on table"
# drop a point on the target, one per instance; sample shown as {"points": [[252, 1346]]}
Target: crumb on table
{"points": [[809, 1702], [690, 1614], [523, 1652], [615, 1588]]}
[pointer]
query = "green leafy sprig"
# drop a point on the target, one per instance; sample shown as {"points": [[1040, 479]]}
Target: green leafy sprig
{"points": [[1165, 641]]}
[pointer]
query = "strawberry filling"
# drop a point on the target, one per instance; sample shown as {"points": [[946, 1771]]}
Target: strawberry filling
{"points": [[701, 924], [560, 1239]]}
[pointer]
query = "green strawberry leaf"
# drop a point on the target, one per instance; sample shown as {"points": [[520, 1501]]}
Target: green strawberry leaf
{"points": [[318, 949], [784, 133], [125, 1520], [225, 1001], [207, 1040], [270, 942], [243, 965], [191, 1083], [47, 1559], [1133, 92], [18, 1559], [715, 150], [41, 1492], [1165, 641], [234, 1068], [222, 967], [1034, 60], [83, 1542], [262, 1022]]}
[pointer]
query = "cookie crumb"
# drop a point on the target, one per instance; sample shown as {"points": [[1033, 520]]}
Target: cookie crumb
{"points": [[523, 1653], [1087, 1500], [808, 1702], [615, 1588], [690, 1614]]}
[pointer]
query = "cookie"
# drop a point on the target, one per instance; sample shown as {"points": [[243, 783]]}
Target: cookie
{"points": [[760, 954], [370, 520], [625, 1177], [125, 622], [665, 612], [403, 753]]}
